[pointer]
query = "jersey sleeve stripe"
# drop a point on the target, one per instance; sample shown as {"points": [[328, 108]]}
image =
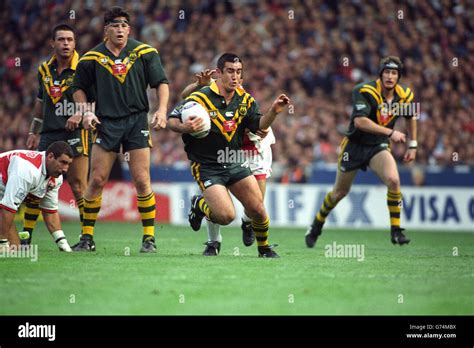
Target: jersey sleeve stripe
{"points": [[147, 50], [139, 47], [376, 97], [196, 99], [373, 89], [205, 99]]}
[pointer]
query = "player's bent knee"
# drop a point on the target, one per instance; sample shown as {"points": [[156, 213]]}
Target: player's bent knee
{"points": [[98, 181], [258, 212], [143, 185], [77, 186], [393, 183], [339, 194], [77, 189], [224, 218]]}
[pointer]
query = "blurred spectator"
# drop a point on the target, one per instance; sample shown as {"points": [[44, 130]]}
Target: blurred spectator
{"points": [[294, 173], [313, 50]]}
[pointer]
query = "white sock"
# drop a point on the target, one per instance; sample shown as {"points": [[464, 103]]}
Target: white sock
{"points": [[246, 218], [61, 241], [213, 232]]}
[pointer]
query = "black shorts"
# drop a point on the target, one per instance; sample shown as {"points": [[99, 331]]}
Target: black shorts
{"points": [[131, 132], [354, 156], [207, 175], [80, 140]]}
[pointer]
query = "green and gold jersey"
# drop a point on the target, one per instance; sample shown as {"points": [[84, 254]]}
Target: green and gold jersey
{"points": [[55, 93], [368, 101], [228, 123], [120, 82]]}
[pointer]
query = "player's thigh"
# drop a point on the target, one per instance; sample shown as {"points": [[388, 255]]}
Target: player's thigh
{"points": [[139, 163], [77, 173], [248, 193], [384, 166], [101, 163], [219, 202], [262, 184]]}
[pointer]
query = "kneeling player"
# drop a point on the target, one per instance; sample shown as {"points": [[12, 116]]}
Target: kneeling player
{"points": [[33, 174]]}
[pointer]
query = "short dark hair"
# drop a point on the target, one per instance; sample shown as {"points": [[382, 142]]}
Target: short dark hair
{"points": [[114, 12], [59, 27], [227, 57], [59, 148]]}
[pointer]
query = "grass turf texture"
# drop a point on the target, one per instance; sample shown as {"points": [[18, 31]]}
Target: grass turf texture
{"points": [[424, 276]]}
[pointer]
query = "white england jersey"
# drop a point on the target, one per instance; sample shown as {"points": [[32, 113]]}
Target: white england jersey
{"points": [[23, 173]]}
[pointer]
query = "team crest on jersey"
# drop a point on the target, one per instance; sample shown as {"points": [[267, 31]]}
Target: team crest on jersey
{"points": [[103, 60], [119, 69], [229, 126], [242, 109], [69, 80], [212, 114], [47, 79], [133, 57]]}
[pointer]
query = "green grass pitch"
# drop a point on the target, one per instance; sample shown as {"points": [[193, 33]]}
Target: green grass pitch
{"points": [[422, 278]]}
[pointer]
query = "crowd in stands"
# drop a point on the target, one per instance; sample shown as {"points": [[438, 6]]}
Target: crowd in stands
{"points": [[315, 51]]}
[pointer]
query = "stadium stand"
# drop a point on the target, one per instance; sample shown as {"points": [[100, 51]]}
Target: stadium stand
{"points": [[315, 51]]}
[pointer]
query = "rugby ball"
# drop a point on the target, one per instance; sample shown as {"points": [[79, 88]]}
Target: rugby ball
{"points": [[192, 108]]}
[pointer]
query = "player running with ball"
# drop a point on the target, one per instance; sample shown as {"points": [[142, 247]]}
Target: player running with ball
{"points": [[258, 148], [232, 111]]}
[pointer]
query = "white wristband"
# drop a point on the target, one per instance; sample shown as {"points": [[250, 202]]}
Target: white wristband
{"points": [[412, 144]]}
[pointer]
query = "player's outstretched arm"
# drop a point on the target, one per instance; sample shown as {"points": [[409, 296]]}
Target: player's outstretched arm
{"points": [[204, 78], [277, 107]]}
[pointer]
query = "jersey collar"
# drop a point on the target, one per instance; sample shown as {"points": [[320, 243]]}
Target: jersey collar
{"points": [[378, 86], [74, 60]]}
